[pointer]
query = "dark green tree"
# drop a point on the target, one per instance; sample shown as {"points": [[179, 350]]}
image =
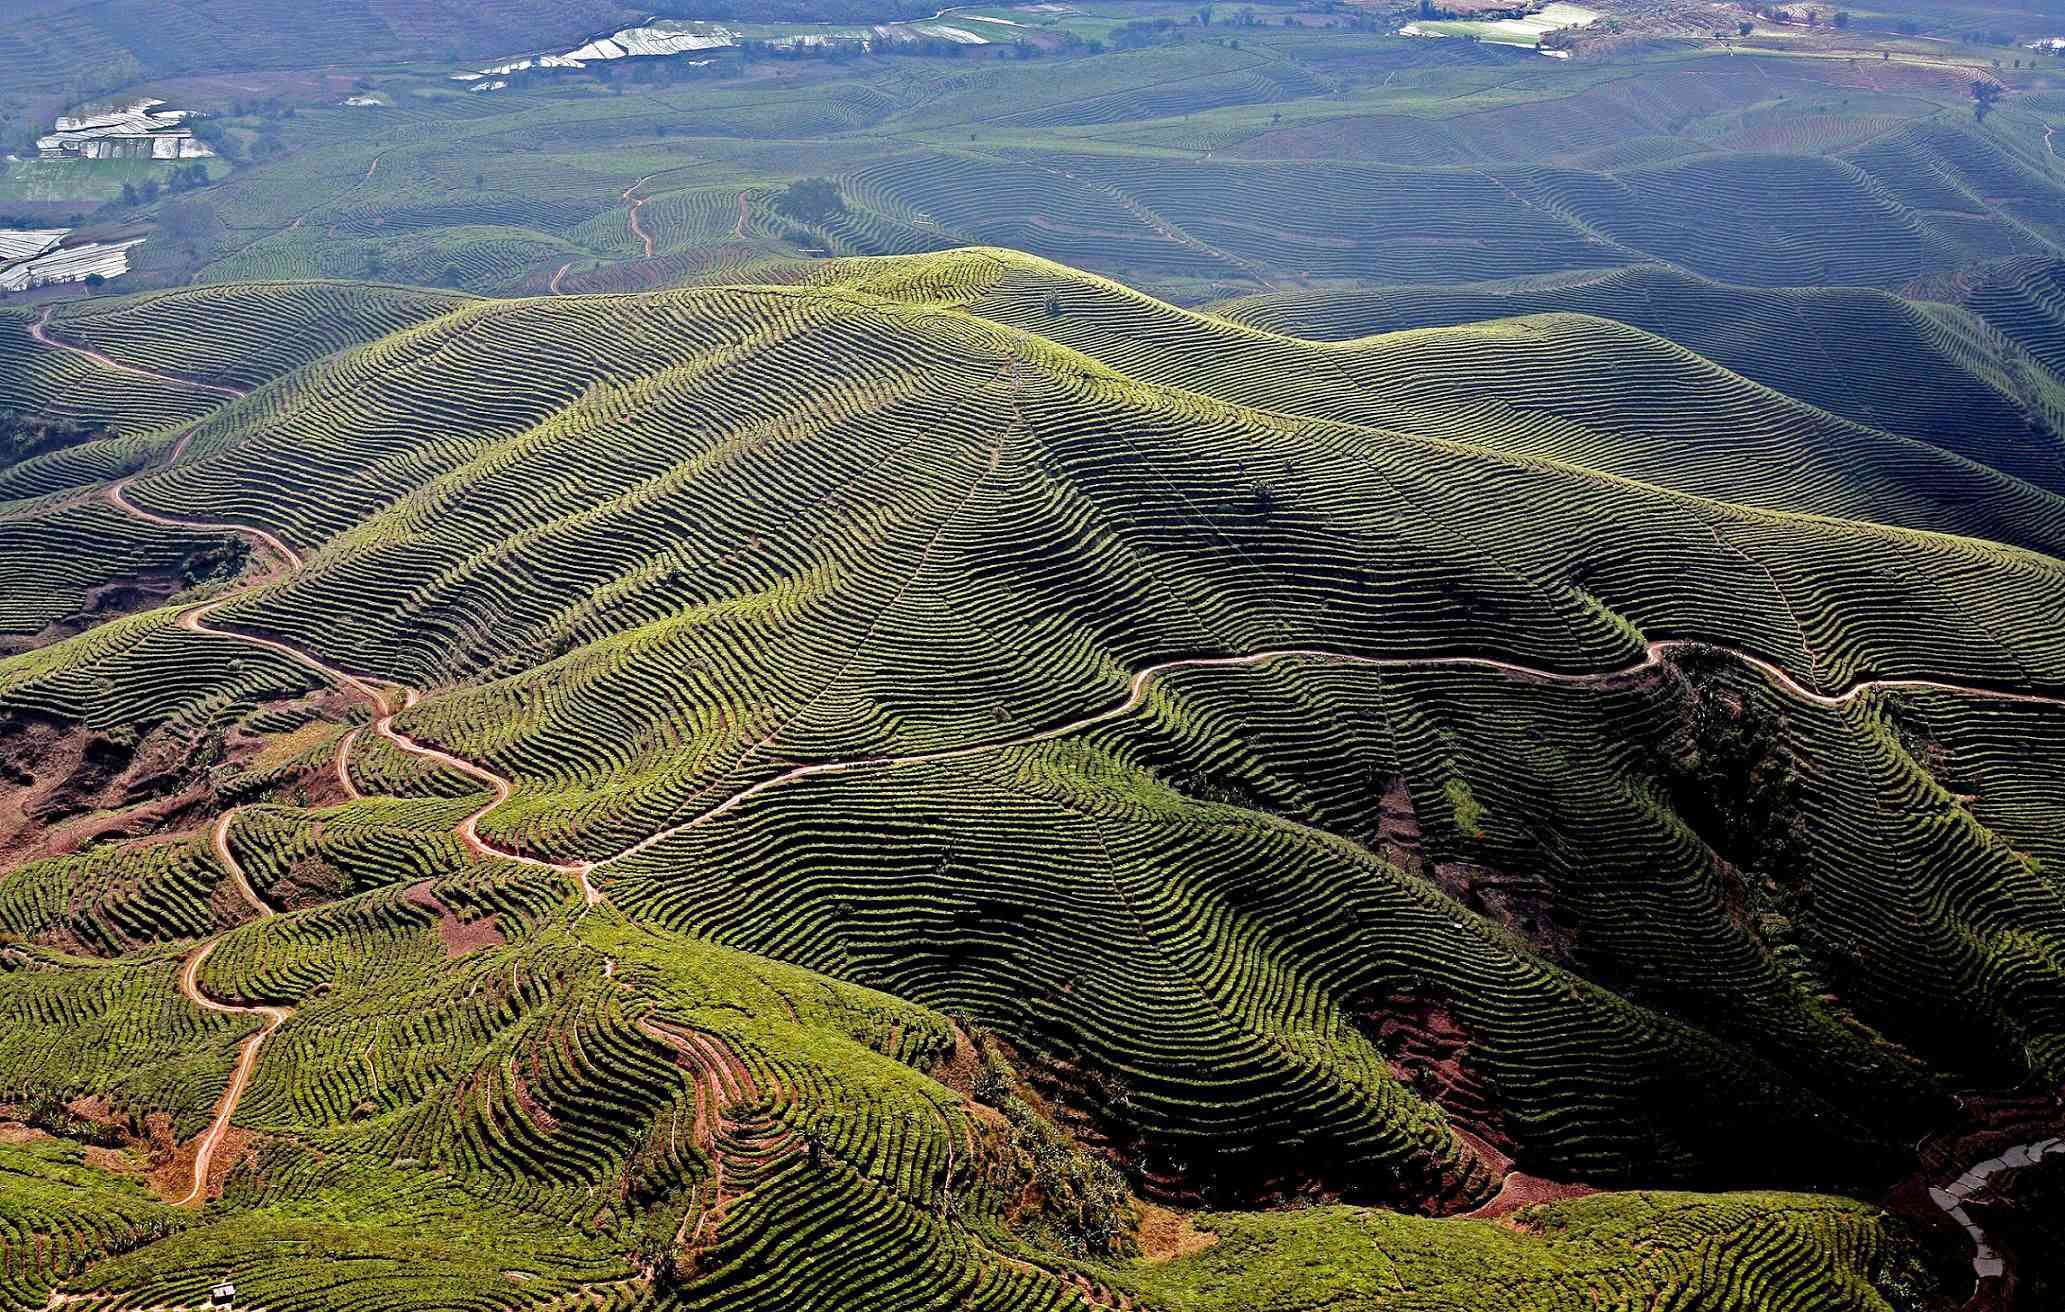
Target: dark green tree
{"points": [[811, 200]]}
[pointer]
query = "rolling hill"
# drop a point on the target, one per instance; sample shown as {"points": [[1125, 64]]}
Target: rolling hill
{"points": [[870, 785]]}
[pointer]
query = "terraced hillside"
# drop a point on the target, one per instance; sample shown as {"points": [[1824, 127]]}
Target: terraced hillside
{"points": [[1290, 150], [944, 782]]}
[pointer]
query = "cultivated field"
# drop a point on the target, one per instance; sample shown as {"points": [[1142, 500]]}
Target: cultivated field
{"points": [[846, 810], [1185, 660]]}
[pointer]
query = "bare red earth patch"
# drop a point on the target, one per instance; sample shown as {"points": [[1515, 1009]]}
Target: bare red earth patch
{"points": [[458, 936]]}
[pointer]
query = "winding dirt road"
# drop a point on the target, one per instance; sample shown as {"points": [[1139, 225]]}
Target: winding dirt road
{"points": [[247, 1053], [40, 330], [1653, 655], [1988, 1264], [637, 230]]}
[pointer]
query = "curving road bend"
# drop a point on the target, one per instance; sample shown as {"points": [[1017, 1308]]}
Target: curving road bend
{"points": [[247, 1052], [637, 230], [1653, 655], [1987, 1264], [40, 331]]}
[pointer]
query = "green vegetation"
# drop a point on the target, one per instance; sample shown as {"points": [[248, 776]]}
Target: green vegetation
{"points": [[1203, 658], [1642, 1246], [1621, 935]]}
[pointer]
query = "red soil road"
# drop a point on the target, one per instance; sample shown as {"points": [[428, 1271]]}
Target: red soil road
{"points": [[1653, 655], [239, 1077], [500, 786], [218, 842], [247, 1054], [351, 790], [195, 621], [40, 331]]}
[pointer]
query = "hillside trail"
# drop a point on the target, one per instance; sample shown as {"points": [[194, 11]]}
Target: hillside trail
{"points": [[247, 1052], [552, 288], [637, 229], [739, 231], [1987, 1263], [1654, 654], [40, 331]]}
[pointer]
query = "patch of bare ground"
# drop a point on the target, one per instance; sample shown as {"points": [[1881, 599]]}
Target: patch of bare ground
{"points": [[958, 1071], [1523, 903], [1428, 1050], [533, 1110], [172, 1173], [63, 785], [458, 936], [1521, 1191], [1398, 828], [1166, 1234]]}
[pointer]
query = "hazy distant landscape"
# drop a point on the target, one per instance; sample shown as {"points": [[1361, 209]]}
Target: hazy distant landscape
{"points": [[1182, 658]]}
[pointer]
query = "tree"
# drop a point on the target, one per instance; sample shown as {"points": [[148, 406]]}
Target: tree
{"points": [[811, 200], [1842, 18], [1204, 16], [1745, 28]]}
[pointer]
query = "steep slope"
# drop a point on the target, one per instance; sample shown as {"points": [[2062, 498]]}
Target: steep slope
{"points": [[854, 763]]}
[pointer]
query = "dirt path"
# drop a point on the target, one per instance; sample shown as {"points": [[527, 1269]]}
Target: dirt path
{"points": [[40, 331], [117, 497], [240, 1075], [218, 842], [739, 231], [501, 787], [195, 620], [247, 1053], [552, 288], [1653, 655], [351, 790], [637, 230]]}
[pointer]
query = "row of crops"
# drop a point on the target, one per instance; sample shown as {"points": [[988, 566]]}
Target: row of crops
{"points": [[1301, 922]]}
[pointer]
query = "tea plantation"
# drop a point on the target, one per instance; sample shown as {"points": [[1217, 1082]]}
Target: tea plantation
{"points": [[1169, 659], [1031, 748]]}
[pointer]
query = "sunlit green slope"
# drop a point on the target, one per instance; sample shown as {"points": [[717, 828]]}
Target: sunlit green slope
{"points": [[1029, 743]]}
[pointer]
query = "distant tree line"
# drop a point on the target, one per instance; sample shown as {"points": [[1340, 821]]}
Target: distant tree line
{"points": [[184, 178]]}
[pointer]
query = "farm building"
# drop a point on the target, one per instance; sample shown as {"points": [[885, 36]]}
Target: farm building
{"points": [[135, 131]]}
